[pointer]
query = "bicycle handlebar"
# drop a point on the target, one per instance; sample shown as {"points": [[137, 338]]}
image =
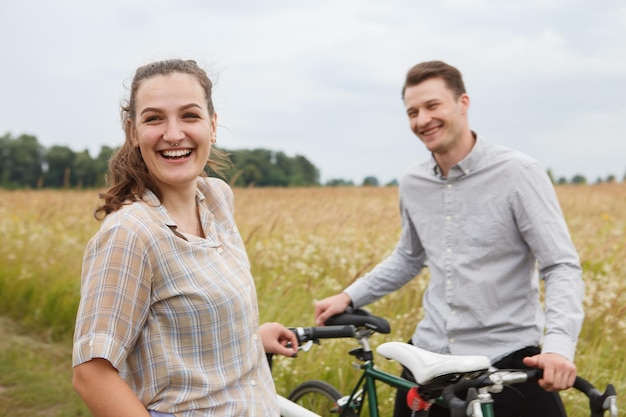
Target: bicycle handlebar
{"points": [[305, 334], [342, 325], [598, 402]]}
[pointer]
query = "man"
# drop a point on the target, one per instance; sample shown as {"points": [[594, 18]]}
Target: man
{"points": [[486, 219]]}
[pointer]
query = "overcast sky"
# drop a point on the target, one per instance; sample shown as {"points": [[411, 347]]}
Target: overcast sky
{"points": [[323, 78]]}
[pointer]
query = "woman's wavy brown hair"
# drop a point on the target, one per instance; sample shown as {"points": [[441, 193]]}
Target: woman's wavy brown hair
{"points": [[128, 176]]}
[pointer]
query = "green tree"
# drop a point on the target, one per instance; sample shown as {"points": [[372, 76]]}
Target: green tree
{"points": [[251, 167], [59, 160], [84, 170], [102, 165], [263, 167], [370, 181], [21, 161], [5, 160], [250, 175], [308, 174], [339, 182]]}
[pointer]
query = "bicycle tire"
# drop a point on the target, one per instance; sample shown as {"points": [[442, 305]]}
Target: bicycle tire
{"points": [[319, 397]]}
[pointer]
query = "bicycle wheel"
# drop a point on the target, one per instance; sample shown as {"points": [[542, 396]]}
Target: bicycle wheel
{"points": [[318, 396]]}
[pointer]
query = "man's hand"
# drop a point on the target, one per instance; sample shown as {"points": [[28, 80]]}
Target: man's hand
{"points": [[559, 372], [330, 306], [275, 338]]}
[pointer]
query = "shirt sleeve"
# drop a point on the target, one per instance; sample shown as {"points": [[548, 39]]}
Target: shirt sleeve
{"points": [[405, 262], [543, 227], [115, 296]]}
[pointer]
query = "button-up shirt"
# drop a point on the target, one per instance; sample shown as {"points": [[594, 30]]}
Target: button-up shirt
{"points": [[176, 314], [487, 232]]}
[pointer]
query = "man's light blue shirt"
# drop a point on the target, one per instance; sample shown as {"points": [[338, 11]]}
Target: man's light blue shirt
{"points": [[487, 232]]}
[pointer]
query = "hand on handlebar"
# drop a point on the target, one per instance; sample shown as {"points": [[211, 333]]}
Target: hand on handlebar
{"points": [[330, 306], [278, 339], [559, 373]]}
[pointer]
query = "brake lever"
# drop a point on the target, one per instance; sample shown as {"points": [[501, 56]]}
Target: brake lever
{"points": [[307, 346]]}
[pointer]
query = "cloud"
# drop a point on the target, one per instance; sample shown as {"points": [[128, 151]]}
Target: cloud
{"points": [[323, 79], [591, 136]]}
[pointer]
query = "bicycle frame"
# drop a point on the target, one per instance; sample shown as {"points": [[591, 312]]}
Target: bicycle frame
{"points": [[482, 407], [365, 388], [368, 379]]}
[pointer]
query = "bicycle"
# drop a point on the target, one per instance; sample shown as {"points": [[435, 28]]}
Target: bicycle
{"points": [[440, 378]]}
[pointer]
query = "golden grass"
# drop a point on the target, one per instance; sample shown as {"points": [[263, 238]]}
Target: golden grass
{"points": [[306, 244]]}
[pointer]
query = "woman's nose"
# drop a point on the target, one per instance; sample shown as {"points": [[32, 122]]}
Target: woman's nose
{"points": [[173, 131]]}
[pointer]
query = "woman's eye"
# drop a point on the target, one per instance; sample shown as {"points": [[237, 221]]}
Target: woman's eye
{"points": [[151, 119], [191, 116]]}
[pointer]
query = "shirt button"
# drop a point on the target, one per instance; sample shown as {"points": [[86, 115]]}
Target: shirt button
{"points": [[448, 218], [220, 250], [91, 343], [449, 186], [253, 382], [448, 250], [255, 337], [453, 312], [451, 340]]}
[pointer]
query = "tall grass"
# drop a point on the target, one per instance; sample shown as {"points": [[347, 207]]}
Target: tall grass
{"points": [[43, 236], [304, 245]]}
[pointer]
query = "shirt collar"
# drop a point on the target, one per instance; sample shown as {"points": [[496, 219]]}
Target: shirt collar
{"points": [[151, 200], [467, 164]]}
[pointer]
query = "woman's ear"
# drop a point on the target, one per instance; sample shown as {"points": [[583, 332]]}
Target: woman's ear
{"points": [[132, 133], [214, 128]]}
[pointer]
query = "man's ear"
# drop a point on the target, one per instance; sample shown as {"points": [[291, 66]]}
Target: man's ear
{"points": [[464, 101]]}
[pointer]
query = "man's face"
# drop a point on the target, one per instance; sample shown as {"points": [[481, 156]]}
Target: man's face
{"points": [[436, 116]]}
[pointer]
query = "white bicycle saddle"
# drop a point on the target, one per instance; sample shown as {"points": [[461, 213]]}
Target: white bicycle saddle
{"points": [[425, 365]]}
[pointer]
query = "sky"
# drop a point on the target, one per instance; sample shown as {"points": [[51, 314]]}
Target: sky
{"points": [[323, 78]]}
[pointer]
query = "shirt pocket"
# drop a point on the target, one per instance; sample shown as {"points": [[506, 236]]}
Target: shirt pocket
{"points": [[481, 230], [229, 236]]}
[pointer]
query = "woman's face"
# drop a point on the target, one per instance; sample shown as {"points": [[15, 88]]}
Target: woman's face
{"points": [[173, 129]]}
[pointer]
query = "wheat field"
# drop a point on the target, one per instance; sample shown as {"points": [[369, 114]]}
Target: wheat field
{"points": [[306, 244]]}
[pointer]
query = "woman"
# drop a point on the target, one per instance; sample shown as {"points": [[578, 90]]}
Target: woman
{"points": [[168, 321]]}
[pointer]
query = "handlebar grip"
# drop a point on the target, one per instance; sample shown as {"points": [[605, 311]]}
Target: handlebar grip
{"points": [[598, 402], [305, 334], [456, 405], [596, 398]]}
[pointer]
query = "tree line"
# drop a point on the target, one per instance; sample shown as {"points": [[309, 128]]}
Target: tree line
{"points": [[25, 163]]}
